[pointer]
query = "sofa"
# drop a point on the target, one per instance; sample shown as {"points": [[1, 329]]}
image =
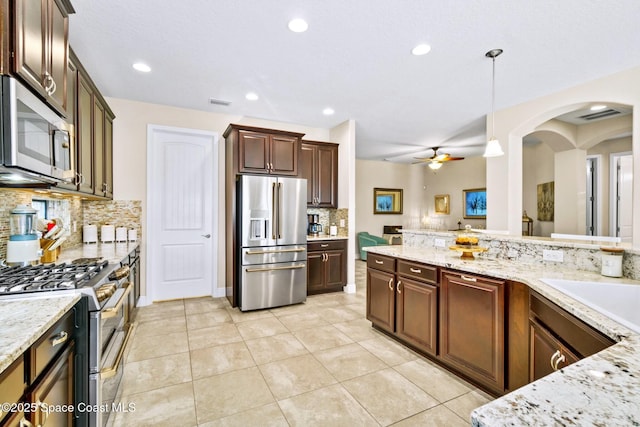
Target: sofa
{"points": [[365, 239]]}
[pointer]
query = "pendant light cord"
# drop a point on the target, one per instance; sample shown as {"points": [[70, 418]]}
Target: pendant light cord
{"points": [[493, 100]]}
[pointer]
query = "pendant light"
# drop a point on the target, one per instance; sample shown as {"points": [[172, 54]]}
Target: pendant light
{"points": [[493, 148]]}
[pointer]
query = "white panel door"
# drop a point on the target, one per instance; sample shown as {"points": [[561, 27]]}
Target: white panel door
{"points": [[180, 190], [625, 195]]}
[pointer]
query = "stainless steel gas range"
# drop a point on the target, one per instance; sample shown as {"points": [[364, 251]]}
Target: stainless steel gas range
{"points": [[109, 298]]}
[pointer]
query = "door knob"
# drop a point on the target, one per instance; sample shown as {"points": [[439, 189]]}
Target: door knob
{"points": [[208, 236]]}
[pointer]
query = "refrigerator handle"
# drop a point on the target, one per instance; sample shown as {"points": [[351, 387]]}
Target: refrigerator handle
{"points": [[274, 212], [280, 207]]}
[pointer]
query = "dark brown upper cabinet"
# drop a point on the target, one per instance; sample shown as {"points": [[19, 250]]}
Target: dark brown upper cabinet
{"points": [[263, 151], [319, 165], [41, 48]]}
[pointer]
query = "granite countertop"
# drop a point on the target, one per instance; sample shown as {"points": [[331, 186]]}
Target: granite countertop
{"points": [[24, 320], [603, 389], [325, 237], [113, 252]]}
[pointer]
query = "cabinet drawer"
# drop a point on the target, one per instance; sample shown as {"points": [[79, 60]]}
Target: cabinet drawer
{"points": [[326, 245], [380, 262], [576, 334], [12, 383], [422, 272], [50, 344]]}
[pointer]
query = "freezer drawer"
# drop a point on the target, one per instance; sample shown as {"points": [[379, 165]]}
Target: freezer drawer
{"points": [[272, 254], [272, 285]]}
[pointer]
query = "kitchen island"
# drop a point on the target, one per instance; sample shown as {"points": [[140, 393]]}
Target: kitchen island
{"points": [[601, 388]]}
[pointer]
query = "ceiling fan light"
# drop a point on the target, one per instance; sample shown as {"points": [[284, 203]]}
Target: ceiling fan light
{"points": [[493, 149], [435, 165]]}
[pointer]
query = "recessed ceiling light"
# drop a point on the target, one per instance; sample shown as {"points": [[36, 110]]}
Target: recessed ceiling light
{"points": [[328, 111], [251, 96], [143, 68], [298, 25], [598, 107], [421, 49]]}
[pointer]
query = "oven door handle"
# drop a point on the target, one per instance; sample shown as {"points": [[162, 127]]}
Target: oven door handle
{"points": [[113, 311], [112, 370]]}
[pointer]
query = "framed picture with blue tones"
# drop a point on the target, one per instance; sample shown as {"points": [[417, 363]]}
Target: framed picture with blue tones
{"points": [[474, 203], [387, 201]]}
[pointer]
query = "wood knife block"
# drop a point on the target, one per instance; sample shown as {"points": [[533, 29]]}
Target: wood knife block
{"points": [[48, 256]]}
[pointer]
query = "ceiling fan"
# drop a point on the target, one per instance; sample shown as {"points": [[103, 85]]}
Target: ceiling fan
{"points": [[435, 162]]}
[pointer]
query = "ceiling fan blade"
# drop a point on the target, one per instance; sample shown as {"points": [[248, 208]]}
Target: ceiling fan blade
{"points": [[448, 159]]}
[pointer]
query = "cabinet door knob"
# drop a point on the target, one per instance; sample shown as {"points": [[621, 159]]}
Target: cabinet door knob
{"points": [[379, 262], [559, 360], [398, 286], [208, 236], [415, 270], [59, 339], [391, 284], [553, 356], [468, 279]]}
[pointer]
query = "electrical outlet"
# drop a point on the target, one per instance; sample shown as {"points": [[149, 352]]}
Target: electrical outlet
{"points": [[342, 223], [75, 226], [439, 243], [552, 255]]}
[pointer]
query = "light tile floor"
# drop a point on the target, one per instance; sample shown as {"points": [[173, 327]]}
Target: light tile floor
{"points": [[199, 362]]}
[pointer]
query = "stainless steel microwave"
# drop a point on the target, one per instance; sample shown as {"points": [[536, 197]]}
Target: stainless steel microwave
{"points": [[36, 143]]}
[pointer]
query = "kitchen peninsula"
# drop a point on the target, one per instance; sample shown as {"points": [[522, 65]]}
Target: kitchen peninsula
{"points": [[599, 387]]}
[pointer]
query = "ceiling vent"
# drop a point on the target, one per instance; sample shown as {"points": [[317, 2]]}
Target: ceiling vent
{"points": [[600, 114], [214, 101]]}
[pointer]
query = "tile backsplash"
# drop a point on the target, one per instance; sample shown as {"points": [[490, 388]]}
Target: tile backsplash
{"points": [[329, 217], [120, 213]]}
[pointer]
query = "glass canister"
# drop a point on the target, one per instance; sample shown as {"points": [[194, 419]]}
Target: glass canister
{"points": [[611, 261], [22, 223]]}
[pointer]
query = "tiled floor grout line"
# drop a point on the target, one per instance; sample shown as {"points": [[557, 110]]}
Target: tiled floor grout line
{"points": [[321, 307]]}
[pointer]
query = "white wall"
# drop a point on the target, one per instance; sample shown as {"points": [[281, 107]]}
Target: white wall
{"points": [[345, 135], [419, 184], [537, 168], [605, 150], [452, 178], [372, 174], [130, 155], [504, 174]]}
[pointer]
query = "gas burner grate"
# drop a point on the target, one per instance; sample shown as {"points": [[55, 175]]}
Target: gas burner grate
{"points": [[50, 277]]}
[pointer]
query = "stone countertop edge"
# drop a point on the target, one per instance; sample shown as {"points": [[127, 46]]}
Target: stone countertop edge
{"points": [[25, 320], [318, 238], [604, 387], [536, 240], [113, 252]]}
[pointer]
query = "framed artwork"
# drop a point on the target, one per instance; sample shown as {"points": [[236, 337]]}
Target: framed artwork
{"points": [[545, 201], [442, 203], [474, 203], [387, 201]]}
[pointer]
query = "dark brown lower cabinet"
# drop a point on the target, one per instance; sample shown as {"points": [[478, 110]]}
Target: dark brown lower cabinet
{"points": [[498, 334], [405, 304], [326, 266], [548, 354], [417, 314], [558, 338], [472, 327], [55, 390], [381, 299]]}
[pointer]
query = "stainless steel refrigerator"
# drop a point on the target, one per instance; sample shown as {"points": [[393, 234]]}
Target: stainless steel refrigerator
{"points": [[273, 241]]}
